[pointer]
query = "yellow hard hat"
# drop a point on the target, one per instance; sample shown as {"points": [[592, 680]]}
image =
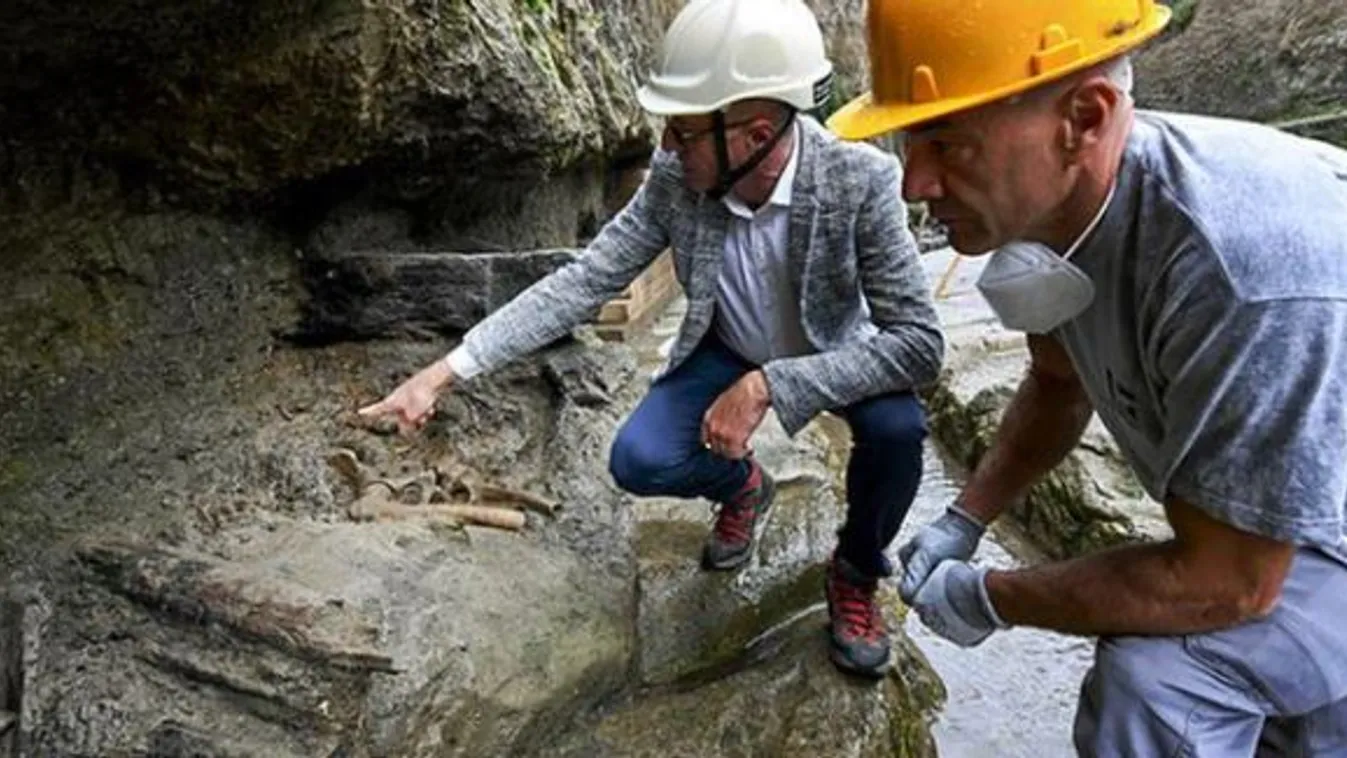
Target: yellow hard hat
{"points": [[931, 58]]}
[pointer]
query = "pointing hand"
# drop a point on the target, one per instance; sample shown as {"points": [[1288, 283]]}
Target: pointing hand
{"points": [[412, 404]]}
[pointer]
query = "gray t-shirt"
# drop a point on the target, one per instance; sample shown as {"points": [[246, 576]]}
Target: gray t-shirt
{"points": [[1215, 350]]}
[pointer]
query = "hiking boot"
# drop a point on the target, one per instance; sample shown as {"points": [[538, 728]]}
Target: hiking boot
{"points": [[740, 522], [860, 639]]}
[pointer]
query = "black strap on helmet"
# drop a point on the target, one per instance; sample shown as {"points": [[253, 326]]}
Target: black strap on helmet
{"points": [[727, 177]]}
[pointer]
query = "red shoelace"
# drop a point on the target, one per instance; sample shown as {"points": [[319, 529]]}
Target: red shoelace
{"points": [[856, 608], [734, 523]]}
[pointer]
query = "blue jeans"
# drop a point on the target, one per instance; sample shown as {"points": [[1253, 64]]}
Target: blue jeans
{"points": [[658, 452]]}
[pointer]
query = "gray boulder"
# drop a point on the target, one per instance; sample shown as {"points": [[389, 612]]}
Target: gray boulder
{"points": [[782, 698]]}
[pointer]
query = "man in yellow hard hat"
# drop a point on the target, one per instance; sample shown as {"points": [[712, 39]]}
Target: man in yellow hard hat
{"points": [[805, 294], [1185, 277]]}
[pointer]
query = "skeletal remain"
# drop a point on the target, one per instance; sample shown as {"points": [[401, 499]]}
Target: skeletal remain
{"points": [[449, 491], [409, 490], [455, 477], [376, 505], [349, 467], [412, 490]]}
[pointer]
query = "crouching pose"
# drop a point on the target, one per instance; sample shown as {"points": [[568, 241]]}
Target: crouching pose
{"points": [[804, 290]]}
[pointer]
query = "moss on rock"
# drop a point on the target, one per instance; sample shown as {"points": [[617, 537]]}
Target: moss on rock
{"points": [[1074, 509], [789, 702]]}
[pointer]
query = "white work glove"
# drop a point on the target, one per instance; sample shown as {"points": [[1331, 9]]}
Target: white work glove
{"points": [[954, 604], [955, 535]]}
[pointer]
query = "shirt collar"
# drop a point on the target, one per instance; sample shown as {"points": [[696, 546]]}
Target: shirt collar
{"points": [[785, 184]]}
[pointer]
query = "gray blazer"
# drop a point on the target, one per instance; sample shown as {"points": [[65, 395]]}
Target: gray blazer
{"points": [[849, 248]]}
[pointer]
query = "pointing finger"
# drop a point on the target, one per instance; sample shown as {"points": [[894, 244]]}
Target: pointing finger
{"points": [[375, 409]]}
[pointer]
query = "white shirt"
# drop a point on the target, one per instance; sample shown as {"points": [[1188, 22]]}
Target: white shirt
{"points": [[757, 311]]}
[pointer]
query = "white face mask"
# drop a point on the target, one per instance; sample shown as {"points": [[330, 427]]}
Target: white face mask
{"points": [[1033, 289]]}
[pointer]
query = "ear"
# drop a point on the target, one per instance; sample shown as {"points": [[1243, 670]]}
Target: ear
{"points": [[760, 132], [1070, 138], [1089, 112]]}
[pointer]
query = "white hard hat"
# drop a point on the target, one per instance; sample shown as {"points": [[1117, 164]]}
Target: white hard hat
{"points": [[717, 52]]}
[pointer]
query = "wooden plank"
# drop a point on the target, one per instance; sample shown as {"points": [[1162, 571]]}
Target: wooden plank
{"points": [[241, 599], [653, 289], [621, 331], [614, 312]]}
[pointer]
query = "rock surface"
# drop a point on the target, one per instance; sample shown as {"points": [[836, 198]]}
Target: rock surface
{"points": [[303, 633], [490, 125], [690, 619], [1271, 60], [783, 699], [358, 296], [247, 98], [1092, 499]]}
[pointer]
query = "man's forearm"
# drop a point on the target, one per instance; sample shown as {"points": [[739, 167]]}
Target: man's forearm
{"points": [[1139, 589], [894, 361], [1043, 423]]}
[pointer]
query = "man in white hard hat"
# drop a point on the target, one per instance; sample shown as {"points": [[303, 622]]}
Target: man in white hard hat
{"points": [[804, 294], [1185, 277]]}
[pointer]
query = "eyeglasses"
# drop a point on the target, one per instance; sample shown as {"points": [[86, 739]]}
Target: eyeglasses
{"points": [[685, 137]]}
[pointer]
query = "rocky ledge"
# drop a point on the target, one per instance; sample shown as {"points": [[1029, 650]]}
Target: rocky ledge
{"points": [[483, 590]]}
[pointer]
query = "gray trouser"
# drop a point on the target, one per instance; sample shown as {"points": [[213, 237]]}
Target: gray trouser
{"points": [[1273, 687]]}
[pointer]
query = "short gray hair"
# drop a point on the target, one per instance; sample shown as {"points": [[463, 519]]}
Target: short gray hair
{"points": [[1119, 72]]}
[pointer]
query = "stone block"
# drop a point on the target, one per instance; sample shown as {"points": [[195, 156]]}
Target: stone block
{"points": [[689, 618], [385, 294]]}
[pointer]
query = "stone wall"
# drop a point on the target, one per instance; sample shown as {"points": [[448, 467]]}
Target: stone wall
{"points": [[1270, 60], [186, 182]]}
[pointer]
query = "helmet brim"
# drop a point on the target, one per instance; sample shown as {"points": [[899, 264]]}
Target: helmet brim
{"points": [[862, 118], [659, 104], [798, 94]]}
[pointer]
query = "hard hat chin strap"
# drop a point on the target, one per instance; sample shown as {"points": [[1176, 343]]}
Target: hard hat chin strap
{"points": [[727, 177]]}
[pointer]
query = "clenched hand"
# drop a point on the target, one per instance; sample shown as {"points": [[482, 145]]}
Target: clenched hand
{"points": [[955, 535], [954, 604], [735, 415]]}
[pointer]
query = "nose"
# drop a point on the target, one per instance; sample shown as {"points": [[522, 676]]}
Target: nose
{"points": [[921, 174]]}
